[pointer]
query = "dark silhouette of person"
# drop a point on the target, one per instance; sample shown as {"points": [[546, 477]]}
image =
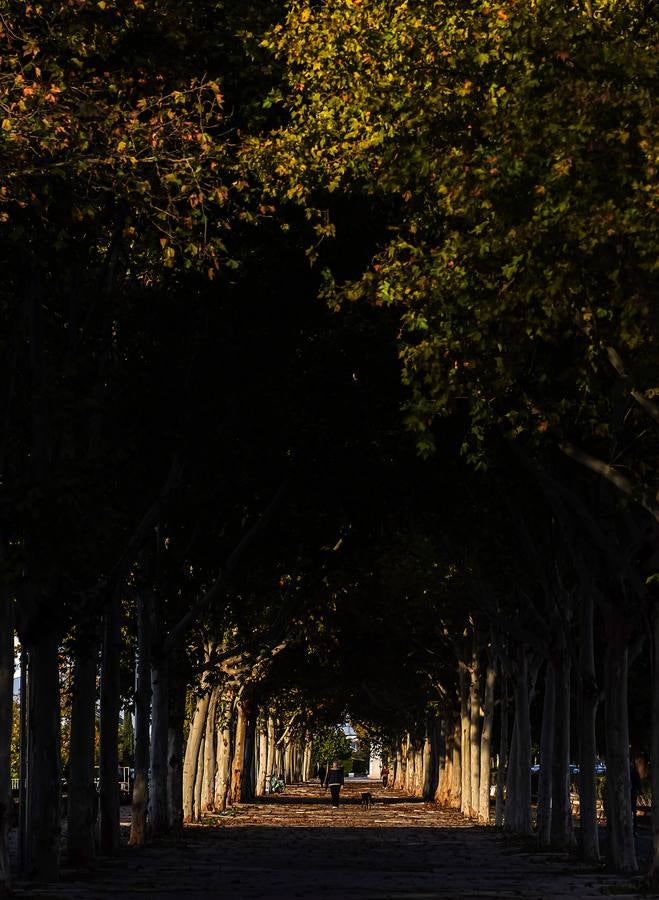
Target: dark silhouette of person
{"points": [[334, 780], [385, 775]]}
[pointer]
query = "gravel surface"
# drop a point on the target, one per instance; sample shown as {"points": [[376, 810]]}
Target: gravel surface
{"points": [[296, 845]]}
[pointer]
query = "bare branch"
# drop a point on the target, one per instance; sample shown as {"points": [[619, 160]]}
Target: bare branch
{"points": [[647, 405], [616, 478]]}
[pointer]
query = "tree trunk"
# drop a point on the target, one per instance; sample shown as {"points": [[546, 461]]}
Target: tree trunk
{"points": [[262, 731], [486, 743], [208, 787], [82, 803], [142, 721], [653, 874], [6, 716], [238, 761], [158, 813], [474, 734], [465, 752], [306, 763], [502, 765], [562, 835], [249, 768], [588, 702], [223, 769], [426, 767], [110, 706], [191, 761], [198, 782], [546, 758], [456, 766], [620, 845], [272, 743], [44, 767], [177, 695], [518, 783]]}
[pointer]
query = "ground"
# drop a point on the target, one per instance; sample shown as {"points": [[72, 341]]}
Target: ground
{"points": [[296, 845]]}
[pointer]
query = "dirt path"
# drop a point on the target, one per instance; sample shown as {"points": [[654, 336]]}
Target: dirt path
{"points": [[296, 845]]}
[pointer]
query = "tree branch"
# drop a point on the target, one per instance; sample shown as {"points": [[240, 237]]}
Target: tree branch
{"points": [[616, 478], [647, 405]]}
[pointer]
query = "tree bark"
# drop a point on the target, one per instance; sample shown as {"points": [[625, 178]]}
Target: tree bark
{"points": [[142, 721], [208, 786], [177, 695], [158, 813], [223, 770], [82, 801], [486, 743], [456, 766], [562, 835], [191, 761], [44, 767], [198, 781], [518, 783], [474, 733], [620, 846], [262, 732], [502, 765], [465, 753], [546, 758], [110, 707], [6, 715], [653, 873], [249, 768], [238, 760], [588, 700]]}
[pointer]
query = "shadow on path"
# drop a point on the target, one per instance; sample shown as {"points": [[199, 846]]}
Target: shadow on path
{"points": [[296, 845]]}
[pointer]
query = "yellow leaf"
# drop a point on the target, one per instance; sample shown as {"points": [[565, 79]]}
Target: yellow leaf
{"points": [[6, 124]]}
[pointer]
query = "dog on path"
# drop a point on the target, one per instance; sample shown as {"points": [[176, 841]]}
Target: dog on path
{"points": [[367, 799]]}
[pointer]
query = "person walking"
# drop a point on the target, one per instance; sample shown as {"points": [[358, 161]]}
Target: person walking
{"points": [[334, 780]]}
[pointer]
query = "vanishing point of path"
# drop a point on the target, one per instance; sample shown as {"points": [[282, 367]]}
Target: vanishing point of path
{"points": [[295, 845]]}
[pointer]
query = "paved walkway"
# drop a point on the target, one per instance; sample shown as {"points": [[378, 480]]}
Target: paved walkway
{"points": [[296, 845]]}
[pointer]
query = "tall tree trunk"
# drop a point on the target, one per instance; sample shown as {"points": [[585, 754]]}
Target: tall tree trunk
{"points": [[44, 767], [486, 742], [191, 761], [6, 715], [306, 763], [249, 768], [474, 733], [518, 783], [620, 847], [272, 743], [223, 768], [238, 761], [158, 813], [208, 787], [456, 765], [546, 758], [588, 702], [110, 706], [177, 695], [262, 733], [142, 721], [426, 766], [465, 752], [502, 764], [82, 804], [562, 834], [653, 874], [198, 781]]}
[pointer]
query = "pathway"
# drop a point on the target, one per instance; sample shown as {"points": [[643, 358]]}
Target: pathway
{"points": [[295, 845]]}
